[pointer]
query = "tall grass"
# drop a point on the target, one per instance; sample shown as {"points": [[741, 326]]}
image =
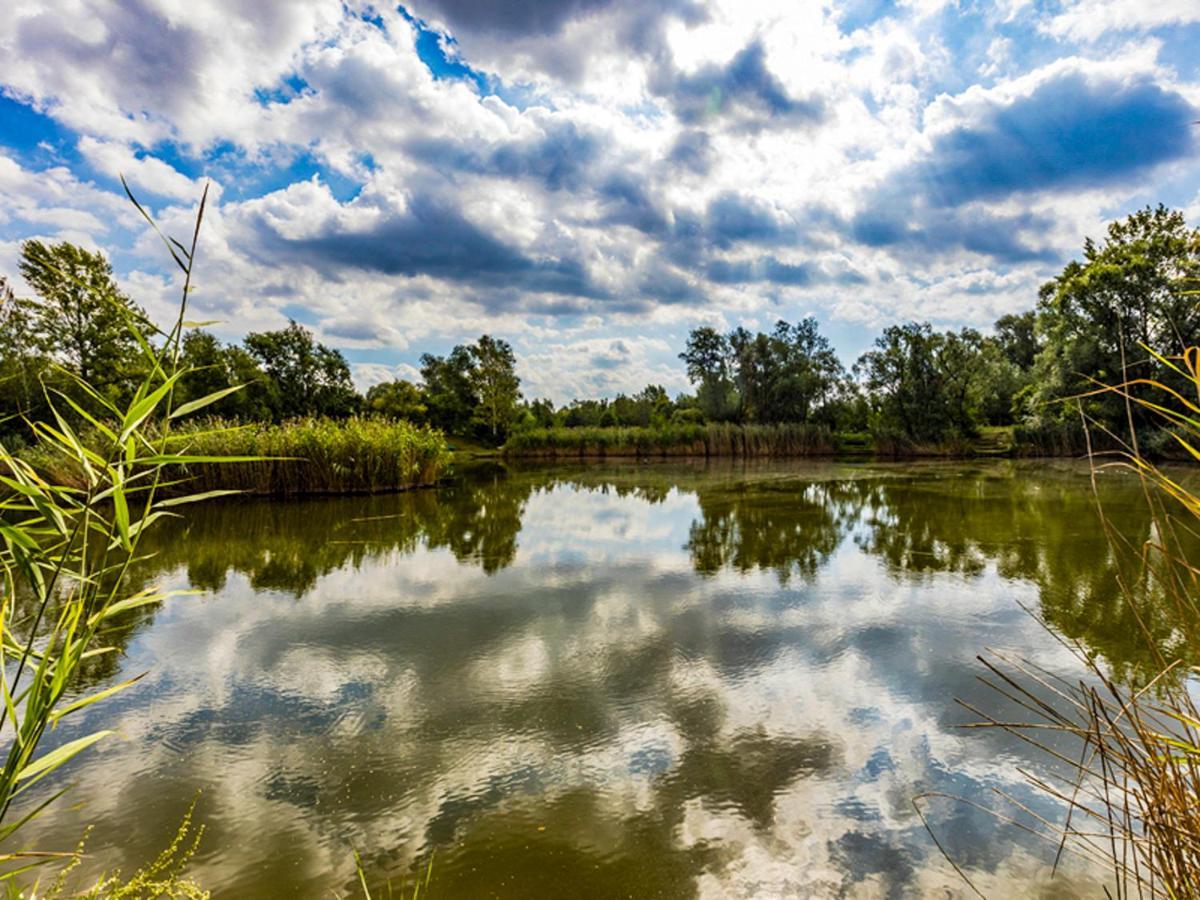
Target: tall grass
{"points": [[1129, 754], [315, 456], [65, 556], [673, 441], [297, 457]]}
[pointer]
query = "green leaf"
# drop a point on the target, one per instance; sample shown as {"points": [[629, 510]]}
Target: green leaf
{"points": [[44, 765], [196, 498], [142, 408], [94, 698], [121, 513], [193, 405], [179, 459]]}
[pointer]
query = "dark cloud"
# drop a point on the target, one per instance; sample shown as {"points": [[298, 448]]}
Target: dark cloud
{"points": [[1070, 133], [628, 202], [923, 230], [775, 271], [615, 356], [692, 151], [735, 218], [663, 285], [744, 93], [433, 239], [563, 157], [157, 59], [539, 17]]}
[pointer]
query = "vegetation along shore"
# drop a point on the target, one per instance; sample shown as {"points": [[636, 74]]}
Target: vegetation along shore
{"points": [[1027, 389]]}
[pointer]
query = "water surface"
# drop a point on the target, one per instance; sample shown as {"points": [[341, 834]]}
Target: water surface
{"points": [[671, 680]]}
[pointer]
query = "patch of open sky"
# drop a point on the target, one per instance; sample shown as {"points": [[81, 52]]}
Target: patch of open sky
{"points": [[34, 138], [287, 90], [245, 179], [438, 52], [300, 313], [386, 356], [863, 13], [1178, 49]]}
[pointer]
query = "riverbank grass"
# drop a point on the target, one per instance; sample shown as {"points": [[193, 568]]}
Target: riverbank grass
{"points": [[315, 456], [673, 441], [293, 458]]}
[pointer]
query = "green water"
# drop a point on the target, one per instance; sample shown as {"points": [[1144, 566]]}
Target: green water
{"points": [[605, 681]]}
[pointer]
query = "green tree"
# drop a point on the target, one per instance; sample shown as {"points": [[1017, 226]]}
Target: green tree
{"points": [[495, 383], [450, 389], [790, 375], [1017, 338], [1098, 316], [80, 317], [23, 369], [924, 386], [211, 366], [708, 356], [397, 399], [305, 377]]}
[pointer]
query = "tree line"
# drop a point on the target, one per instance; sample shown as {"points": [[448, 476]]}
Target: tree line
{"points": [[1116, 314]]}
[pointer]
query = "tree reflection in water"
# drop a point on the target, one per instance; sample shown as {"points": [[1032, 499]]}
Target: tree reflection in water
{"points": [[662, 680]]}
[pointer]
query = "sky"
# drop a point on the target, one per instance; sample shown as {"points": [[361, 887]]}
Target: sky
{"points": [[591, 179]]}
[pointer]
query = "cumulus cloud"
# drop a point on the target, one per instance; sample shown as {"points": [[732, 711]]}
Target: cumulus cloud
{"points": [[1089, 19], [585, 170]]}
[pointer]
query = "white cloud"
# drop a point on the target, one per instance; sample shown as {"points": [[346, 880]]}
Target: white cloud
{"points": [[1090, 19]]}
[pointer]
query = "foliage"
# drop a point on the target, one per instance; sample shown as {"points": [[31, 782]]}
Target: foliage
{"points": [[312, 456], [1098, 316], [714, 439], [23, 368], [1135, 767], [925, 386], [65, 550], [790, 375], [397, 400], [162, 877], [495, 383], [211, 367], [710, 366], [450, 390], [306, 378], [81, 318]]}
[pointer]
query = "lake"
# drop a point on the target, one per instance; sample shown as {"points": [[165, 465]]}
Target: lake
{"points": [[665, 680]]}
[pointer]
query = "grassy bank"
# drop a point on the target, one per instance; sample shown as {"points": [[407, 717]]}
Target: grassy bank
{"points": [[747, 441], [302, 456], [763, 441], [318, 456], [672, 440]]}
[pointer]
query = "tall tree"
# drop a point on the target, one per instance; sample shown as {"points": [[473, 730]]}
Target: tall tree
{"points": [[924, 386], [211, 366], [1103, 314], [450, 389], [307, 377], [23, 368], [708, 356], [1017, 337], [496, 384], [81, 317]]}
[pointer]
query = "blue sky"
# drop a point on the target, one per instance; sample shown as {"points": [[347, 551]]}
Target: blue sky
{"points": [[591, 179]]}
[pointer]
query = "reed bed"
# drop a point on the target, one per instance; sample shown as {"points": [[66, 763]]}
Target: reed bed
{"points": [[1128, 754], [294, 458], [712, 440], [314, 456]]}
